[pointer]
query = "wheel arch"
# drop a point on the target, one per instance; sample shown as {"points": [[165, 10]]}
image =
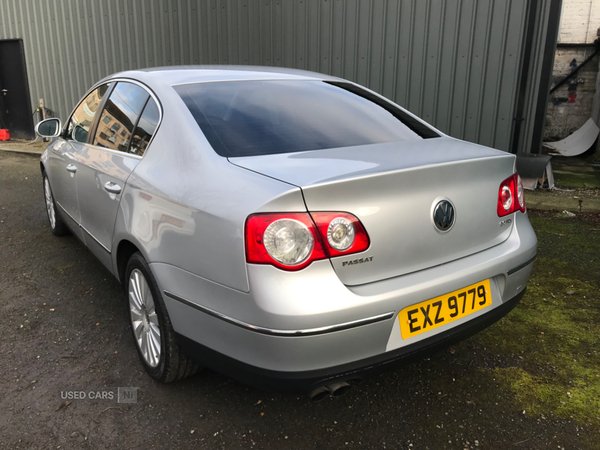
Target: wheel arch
{"points": [[125, 249]]}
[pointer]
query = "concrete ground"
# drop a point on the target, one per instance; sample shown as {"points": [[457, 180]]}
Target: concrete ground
{"points": [[531, 381], [33, 148]]}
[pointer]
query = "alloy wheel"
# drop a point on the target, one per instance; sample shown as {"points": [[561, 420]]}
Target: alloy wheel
{"points": [[49, 203], [144, 319]]}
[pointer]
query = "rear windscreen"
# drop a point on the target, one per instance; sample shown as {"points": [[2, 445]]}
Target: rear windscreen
{"points": [[247, 118]]}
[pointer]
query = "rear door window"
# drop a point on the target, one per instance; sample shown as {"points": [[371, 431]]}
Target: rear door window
{"points": [[145, 128], [120, 114]]}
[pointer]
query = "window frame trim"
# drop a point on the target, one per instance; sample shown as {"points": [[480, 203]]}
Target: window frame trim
{"points": [[96, 119]]}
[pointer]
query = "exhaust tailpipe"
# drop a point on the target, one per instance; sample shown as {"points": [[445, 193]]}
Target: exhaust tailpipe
{"points": [[333, 389], [320, 393], [339, 388]]}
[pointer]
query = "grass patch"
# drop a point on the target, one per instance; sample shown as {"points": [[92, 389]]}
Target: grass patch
{"points": [[577, 177], [539, 396], [553, 337]]}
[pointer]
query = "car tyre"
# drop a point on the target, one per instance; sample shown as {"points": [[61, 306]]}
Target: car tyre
{"points": [[152, 331], [57, 226]]}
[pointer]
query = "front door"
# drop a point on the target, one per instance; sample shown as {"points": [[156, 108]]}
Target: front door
{"points": [[61, 171], [63, 158]]}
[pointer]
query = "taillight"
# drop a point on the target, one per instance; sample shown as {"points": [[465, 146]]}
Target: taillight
{"points": [[520, 194], [510, 196], [290, 241], [342, 233]]}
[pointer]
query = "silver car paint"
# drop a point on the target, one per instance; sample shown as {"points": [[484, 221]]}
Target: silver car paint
{"points": [[184, 207]]}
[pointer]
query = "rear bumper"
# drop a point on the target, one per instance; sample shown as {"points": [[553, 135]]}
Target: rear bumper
{"points": [[305, 381], [306, 327]]}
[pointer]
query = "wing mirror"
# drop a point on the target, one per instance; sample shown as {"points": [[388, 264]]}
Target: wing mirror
{"points": [[49, 128]]}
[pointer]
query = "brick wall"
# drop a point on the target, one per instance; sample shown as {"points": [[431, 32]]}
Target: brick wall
{"points": [[579, 21], [571, 105]]}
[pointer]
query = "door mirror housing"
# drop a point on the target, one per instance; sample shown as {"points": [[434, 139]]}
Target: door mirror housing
{"points": [[49, 128]]}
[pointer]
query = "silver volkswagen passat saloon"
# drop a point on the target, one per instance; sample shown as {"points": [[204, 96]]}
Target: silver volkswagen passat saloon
{"points": [[290, 229]]}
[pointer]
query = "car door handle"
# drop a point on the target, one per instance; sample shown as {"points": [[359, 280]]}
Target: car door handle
{"points": [[71, 168], [111, 187]]}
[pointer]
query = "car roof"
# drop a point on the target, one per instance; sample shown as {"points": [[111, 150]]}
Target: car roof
{"points": [[174, 75]]}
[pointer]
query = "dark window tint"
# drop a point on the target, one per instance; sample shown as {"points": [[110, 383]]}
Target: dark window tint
{"points": [[82, 118], [244, 118], [121, 112], [145, 129]]}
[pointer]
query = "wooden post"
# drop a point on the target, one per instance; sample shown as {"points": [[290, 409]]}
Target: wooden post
{"points": [[42, 109]]}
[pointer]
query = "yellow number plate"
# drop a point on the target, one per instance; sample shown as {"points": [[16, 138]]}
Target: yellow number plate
{"points": [[447, 308]]}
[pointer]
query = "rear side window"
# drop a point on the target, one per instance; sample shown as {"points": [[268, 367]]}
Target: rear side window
{"points": [[119, 116], [82, 118], [247, 118], [145, 128]]}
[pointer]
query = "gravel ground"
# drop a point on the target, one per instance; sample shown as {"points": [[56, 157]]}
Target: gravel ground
{"points": [[64, 324]]}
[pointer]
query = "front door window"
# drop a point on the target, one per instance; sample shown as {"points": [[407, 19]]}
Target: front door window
{"points": [[83, 117]]}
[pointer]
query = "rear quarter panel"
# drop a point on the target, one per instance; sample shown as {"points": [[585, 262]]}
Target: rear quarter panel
{"points": [[186, 206]]}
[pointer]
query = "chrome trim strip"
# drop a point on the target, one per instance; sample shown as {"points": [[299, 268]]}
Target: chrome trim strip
{"points": [[284, 333], [251, 79], [92, 236], [521, 266], [83, 228], [116, 152], [66, 212]]}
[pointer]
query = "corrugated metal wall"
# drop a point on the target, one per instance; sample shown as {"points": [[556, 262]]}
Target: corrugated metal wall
{"points": [[456, 63]]}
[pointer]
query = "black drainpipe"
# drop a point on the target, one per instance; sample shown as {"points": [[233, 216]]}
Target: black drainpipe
{"points": [[548, 59], [546, 73], [525, 63], [576, 69]]}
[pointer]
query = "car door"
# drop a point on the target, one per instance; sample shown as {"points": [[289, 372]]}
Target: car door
{"points": [[63, 164], [106, 163]]}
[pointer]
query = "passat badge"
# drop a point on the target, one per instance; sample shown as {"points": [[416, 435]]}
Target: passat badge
{"points": [[352, 262]]}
